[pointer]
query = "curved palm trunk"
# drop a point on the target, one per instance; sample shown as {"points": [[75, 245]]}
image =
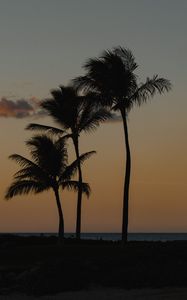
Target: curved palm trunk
{"points": [[127, 180], [79, 195], [61, 217]]}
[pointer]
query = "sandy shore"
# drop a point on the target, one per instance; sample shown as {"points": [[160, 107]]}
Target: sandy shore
{"points": [[100, 270], [112, 294]]}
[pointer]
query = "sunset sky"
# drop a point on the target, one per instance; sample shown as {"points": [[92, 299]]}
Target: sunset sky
{"points": [[44, 44]]}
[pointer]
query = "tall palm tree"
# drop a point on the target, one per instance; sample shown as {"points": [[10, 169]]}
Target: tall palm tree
{"points": [[75, 114], [48, 169], [112, 78]]}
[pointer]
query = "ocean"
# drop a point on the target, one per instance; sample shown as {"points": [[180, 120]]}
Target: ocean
{"points": [[163, 237]]}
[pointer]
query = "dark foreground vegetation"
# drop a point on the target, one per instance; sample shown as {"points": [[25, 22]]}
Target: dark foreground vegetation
{"points": [[38, 265]]}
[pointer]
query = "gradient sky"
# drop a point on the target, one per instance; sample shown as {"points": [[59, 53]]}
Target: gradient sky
{"points": [[44, 44]]}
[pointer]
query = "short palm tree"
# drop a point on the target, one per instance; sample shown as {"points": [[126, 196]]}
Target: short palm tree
{"points": [[113, 80], [48, 169], [75, 114]]}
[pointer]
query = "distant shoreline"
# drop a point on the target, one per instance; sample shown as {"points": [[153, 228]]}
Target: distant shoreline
{"points": [[108, 236]]}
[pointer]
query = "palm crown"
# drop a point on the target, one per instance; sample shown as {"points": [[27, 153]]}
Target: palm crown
{"points": [[72, 112], [48, 169], [112, 78]]}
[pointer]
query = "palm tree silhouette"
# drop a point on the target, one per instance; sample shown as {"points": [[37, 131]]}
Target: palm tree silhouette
{"points": [[48, 169], [111, 77], [75, 114]]}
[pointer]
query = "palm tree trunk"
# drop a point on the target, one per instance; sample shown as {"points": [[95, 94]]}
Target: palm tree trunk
{"points": [[79, 196], [61, 217], [127, 180]]}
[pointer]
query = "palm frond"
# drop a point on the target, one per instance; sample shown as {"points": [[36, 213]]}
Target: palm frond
{"points": [[92, 121], [21, 187], [150, 88], [84, 83], [22, 161], [33, 173], [50, 155], [71, 170], [55, 108], [40, 147], [72, 185], [86, 189], [127, 57], [61, 151], [46, 129], [64, 107], [91, 104]]}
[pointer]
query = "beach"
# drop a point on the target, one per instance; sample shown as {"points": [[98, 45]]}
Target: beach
{"points": [[110, 294], [39, 267]]}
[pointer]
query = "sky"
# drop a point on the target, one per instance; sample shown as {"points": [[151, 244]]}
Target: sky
{"points": [[44, 44]]}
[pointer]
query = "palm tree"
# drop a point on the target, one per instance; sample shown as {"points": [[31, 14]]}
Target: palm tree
{"points": [[48, 169], [113, 80], [75, 114]]}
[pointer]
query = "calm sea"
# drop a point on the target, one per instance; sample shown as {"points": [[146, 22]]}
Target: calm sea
{"points": [[117, 236]]}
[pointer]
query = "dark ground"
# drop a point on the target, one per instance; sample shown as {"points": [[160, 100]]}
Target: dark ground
{"points": [[38, 265]]}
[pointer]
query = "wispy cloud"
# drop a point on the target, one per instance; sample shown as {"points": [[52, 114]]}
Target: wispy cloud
{"points": [[115, 118], [22, 108], [19, 108]]}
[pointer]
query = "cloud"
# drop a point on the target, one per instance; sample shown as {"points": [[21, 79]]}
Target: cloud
{"points": [[115, 118], [20, 108]]}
